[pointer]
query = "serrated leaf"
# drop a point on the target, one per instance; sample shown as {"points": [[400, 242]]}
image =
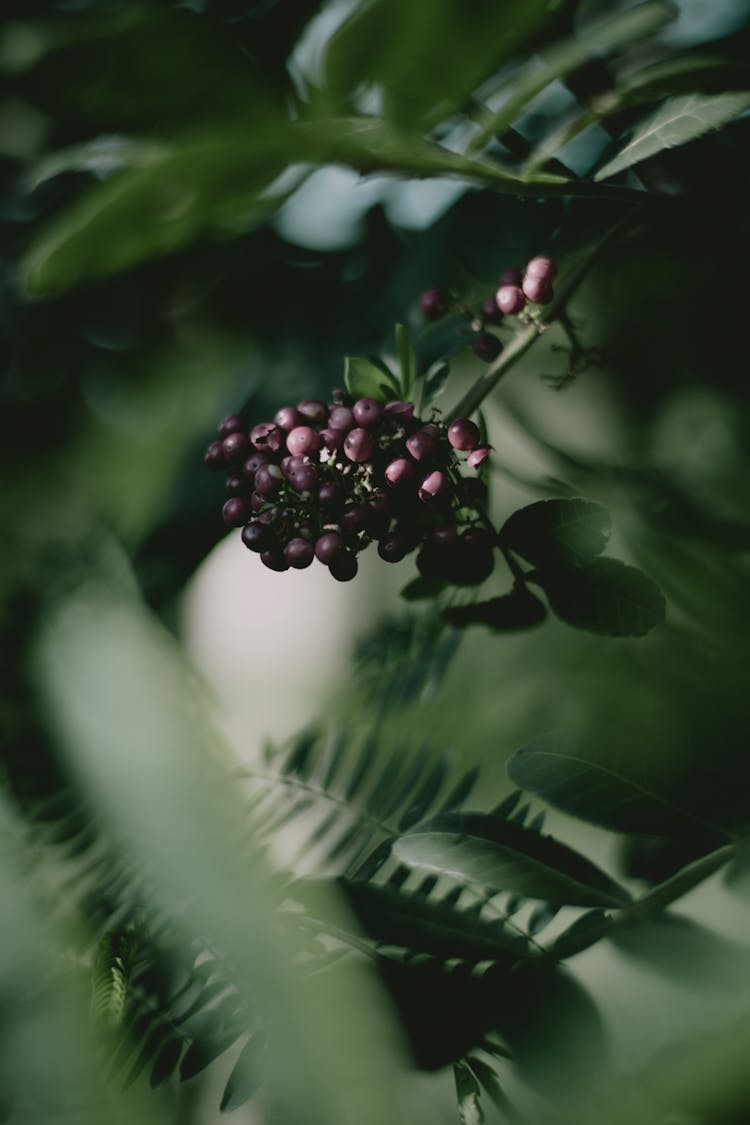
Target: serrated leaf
{"points": [[557, 532], [519, 609], [420, 589], [607, 596], [364, 380], [483, 849], [597, 37], [552, 767], [677, 122], [246, 1076], [468, 1093]]}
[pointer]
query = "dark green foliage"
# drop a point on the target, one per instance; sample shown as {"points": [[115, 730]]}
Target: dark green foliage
{"points": [[517, 610], [552, 533], [606, 596]]}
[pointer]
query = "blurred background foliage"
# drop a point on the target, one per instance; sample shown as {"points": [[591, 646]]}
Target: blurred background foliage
{"points": [[204, 207]]}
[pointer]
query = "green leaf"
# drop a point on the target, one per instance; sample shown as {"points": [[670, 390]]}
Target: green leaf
{"points": [[468, 1093], [427, 58], [435, 381], [677, 122], [412, 921], [364, 380], [503, 855], [557, 532], [597, 37], [420, 588], [406, 362], [552, 768], [604, 597], [517, 610], [246, 1076], [686, 74]]}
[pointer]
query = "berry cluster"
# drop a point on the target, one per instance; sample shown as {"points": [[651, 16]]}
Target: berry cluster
{"points": [[516, 288], [325, 480]]}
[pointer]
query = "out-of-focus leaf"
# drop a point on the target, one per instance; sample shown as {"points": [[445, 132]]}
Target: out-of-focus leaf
{"points": [[468, 1093], [364, 380], [420, 589], [604, 597], [246, 1075], [558, 532], [406, 362], [427, 57], [599, 37], [497, 853], [677, 122]]}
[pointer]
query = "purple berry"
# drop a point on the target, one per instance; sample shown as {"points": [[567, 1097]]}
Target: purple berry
{"points": [[257, 537], [236, 486], [234, 447], [433, 304], [400, 472], [328, 547], [359, 445], [478, 456], [299, 553], [340, 418], [330, 496], [332, 439], [367, 412], [472, 492], [400, 410], [344, 567], [257, 501], [463, 434], [435, 486], [423, 443], [302, 477], [230, 425], [287, 418], [266, 436], [254, 462], [543, 268], [444, 536], [235, 512], [510, 299], [393, 548], [268, 480], [213, 458], [302, 439], [510, 277], [489, 311], [355, 517], [274, 560], [312, 409], [538, 290], [486, 346]]}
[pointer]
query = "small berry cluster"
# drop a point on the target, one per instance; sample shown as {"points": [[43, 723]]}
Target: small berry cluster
{"points": [[325, 480], [534, 285]]}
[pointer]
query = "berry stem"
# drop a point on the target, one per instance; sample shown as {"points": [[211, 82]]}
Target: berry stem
{"points": [[524, 339]]}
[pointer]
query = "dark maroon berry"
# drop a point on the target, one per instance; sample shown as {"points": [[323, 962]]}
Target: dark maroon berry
{"points": [[344, 567], [433, 304], [359, 445], [510, 277], [393, 548], [236, 486], [332, 439], [312, 409], [257, 536], [400, 410], [299, 553], [330, 496], [379, 506], [444, 536], [231, 424], [478, 537], [543, 268], [510, 299], [489, 311], [254, 462], [430, 561], [340, 418], [472, 492], [257, 501], [329, 546], [477, 456], [235, 512], [235, 447], [213, 458], [463, 434], [422, 444], [367, 412], [538, 290], [474, 558], [435, 486], [355, 517], [266, 436], [302, 439], [274, 560], [400, 472], [302, 478], [486, 346], [287, 418], [268, 480]]}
